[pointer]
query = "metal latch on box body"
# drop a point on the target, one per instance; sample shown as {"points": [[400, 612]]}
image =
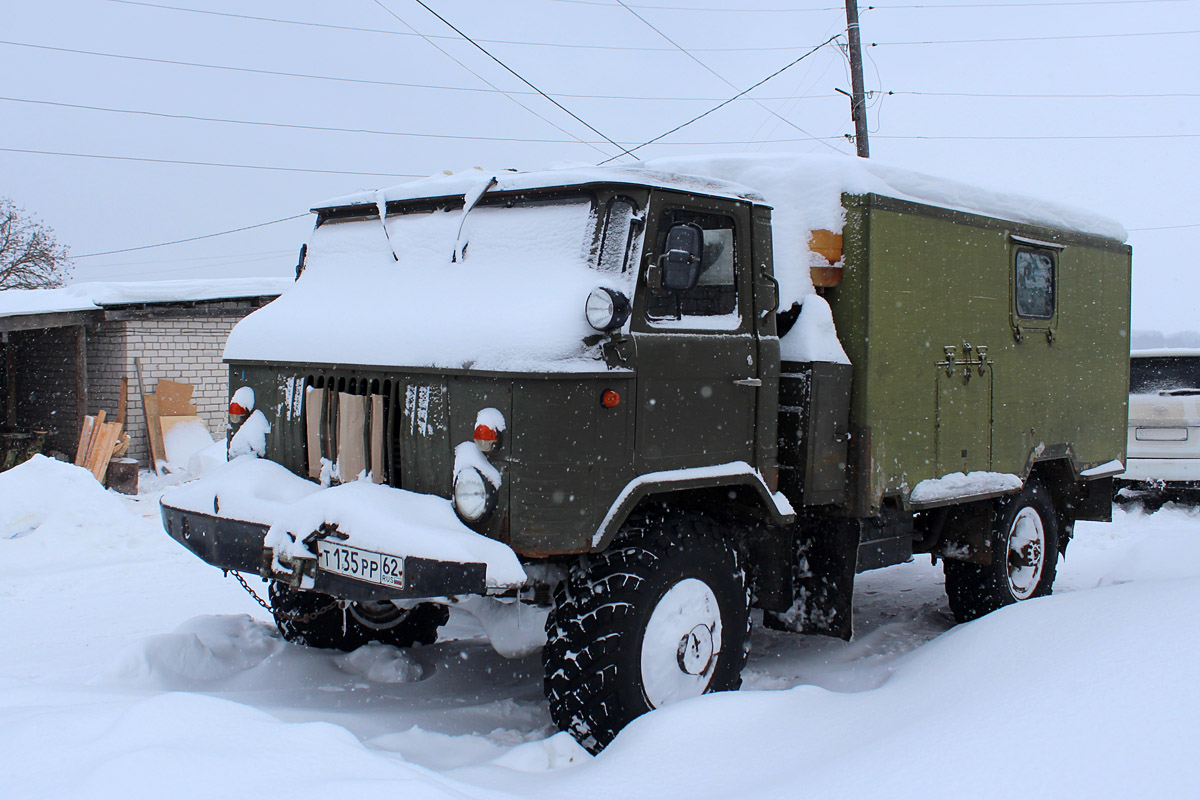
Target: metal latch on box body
{"points": [[979, 362]]}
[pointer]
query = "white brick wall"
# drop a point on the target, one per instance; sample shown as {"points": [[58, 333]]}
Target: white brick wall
{"points": [[182, 349]]}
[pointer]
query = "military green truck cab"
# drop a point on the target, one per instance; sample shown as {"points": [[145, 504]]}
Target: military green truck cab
{"points": [[615, 395]]}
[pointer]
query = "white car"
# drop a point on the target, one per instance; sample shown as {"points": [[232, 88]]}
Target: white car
{"points": [[1164, 420]]}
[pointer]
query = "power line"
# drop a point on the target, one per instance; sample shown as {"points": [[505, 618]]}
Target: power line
{"points": [[1138, 95], [1102, 137], [443, 51], [1048, 3], [730, 100], [206, 163], [521, 78], [192, 238], [719, 76], [385, 32], [1040, 38], [369, 81], [1164, 228]]}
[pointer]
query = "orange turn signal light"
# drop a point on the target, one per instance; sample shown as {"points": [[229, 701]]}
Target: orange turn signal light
{"points": [[610, 399]]}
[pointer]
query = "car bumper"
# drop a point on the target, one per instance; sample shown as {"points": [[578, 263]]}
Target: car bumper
{"points": [[1161, 470], [237, 546]]}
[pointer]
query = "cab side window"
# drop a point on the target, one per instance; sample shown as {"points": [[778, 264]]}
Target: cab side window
{"points": [[1035, 273], [715, 293]]}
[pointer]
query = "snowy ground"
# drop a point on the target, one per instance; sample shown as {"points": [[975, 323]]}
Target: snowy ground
{"points": [[129, 669]]}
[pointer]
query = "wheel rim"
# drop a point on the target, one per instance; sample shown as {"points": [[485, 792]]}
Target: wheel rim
{"points": [[1026, 553], [682, 644], [378, 615]]}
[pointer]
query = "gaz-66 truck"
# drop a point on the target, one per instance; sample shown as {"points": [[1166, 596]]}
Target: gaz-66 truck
{"points": [[643, 401]]}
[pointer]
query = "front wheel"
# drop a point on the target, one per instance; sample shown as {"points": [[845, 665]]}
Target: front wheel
{"points": [[659, 617], [1024, 558]]}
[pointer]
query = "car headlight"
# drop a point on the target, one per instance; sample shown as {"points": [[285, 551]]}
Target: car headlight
{"points": [[474, 497]]}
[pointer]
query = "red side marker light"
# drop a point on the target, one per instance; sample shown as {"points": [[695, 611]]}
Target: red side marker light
{"points": [[236, 410], [610, 399], [486, 438]]}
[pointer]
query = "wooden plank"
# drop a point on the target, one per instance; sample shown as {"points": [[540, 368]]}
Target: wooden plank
{"points": [[314, 412], [102, 449], [150, 410], [123, 399], [174, 399], [85, 438], [351, 436], [95, 435], [378, 468]]}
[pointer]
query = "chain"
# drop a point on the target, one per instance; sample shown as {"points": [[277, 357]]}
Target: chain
{"points": [[300, 618]]}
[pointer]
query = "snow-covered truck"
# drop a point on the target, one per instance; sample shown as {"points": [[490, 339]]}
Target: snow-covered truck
{"points": [[646, 400]]}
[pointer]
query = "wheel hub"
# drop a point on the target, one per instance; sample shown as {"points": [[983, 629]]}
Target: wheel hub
{"points": [[696, 650], [1026, 553], [681, 644]]}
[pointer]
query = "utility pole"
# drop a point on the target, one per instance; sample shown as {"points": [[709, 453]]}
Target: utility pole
{"points": [[858, 105]]}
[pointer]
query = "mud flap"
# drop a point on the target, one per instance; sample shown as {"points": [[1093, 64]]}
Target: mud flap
{"points": [[824, 556]]}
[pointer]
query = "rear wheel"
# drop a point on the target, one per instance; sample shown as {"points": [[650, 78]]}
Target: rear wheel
{"points": [[659, 617], [1024, 558], [317, 620]]}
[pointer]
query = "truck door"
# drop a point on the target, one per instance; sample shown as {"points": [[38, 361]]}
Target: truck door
{"points": [[697, 356]]}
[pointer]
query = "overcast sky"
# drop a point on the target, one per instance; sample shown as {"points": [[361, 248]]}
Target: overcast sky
{"points": [[1089, 103]]}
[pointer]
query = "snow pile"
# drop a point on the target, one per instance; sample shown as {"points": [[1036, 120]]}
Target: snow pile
{"points": [[381, 663], [514, 301], [394, 521], [54, 512], [971, 484], [202, 650], [185, 439], [247, 488], [813, 337]]}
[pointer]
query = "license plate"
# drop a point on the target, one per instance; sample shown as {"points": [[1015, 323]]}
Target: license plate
{"points": [[363, 565]]}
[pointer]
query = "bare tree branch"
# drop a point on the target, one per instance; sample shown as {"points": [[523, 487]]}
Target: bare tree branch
{"points": [[30, 257]]}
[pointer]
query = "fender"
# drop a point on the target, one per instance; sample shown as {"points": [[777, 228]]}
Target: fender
{"points": [[736, 473]]}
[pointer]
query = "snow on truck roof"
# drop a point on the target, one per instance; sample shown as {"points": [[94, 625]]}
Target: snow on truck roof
{"points": [[808, 186], [393, 293]]}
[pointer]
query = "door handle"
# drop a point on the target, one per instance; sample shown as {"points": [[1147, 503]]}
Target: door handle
{"points": [[754, 382]]}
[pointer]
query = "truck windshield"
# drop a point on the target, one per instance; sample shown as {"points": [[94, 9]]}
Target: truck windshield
{"points": [[514, 300], [1156, 374]]}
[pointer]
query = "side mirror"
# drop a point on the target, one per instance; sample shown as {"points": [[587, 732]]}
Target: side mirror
{"points": [[681, 261]]}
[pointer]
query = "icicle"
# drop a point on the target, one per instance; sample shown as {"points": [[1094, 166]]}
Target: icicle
{"points": [[381, 204]]}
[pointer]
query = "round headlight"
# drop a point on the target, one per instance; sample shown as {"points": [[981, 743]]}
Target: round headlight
{"points": [[473, 496], [606, 309]]}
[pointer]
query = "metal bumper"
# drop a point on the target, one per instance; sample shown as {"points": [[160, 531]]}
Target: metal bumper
{"points": [[235, 545]]}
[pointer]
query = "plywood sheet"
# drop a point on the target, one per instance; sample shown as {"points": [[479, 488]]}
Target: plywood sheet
{"points": [[174, 399]]}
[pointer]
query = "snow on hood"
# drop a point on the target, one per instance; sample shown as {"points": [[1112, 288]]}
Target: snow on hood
{"points": [[90, 296], [515, 301]]}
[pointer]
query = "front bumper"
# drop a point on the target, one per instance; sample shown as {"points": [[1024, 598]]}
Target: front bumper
{"points": [[235, 545]]}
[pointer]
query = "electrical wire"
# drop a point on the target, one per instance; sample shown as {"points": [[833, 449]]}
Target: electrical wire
{"points": [[1139, 95], [713, 72], [206, 163], [1070, 37], [442, 50], [192, 238], [698, 117], [523, 80], [510, 42], [440, 87], [1047, 3]]}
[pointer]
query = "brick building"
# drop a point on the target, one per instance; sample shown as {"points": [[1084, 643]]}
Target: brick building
{"points": [[63, 352]]}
